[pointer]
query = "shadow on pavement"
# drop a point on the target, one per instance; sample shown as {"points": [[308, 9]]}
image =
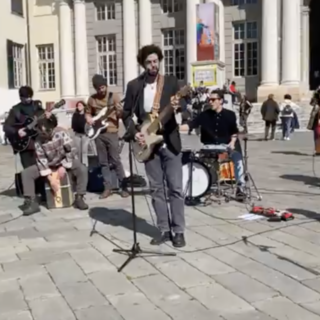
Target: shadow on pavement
{"points": [[292, 153], [122, 218], [308, 180], [307, 213]]}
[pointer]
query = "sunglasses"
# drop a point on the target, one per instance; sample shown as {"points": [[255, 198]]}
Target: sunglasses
{"points": [[213, 99]]}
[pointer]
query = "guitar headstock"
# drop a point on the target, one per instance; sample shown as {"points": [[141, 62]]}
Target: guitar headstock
{"points": [[59, 104], [185, 91]]}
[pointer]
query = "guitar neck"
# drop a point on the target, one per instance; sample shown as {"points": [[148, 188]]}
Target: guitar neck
{"points": [[167, 110]]}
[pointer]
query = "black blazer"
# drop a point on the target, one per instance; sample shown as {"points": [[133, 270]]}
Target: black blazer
{"points": [[134, 103]]}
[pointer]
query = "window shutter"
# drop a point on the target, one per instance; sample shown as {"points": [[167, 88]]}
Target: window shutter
{"points": [[10, 66], [17, 7]]}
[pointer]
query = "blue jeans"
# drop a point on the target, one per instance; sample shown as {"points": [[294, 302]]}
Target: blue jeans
{"points": [[236, 158], [286, 126]]}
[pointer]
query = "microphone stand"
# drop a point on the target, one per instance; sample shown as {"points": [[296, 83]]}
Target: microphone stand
{"points": [[135, 250]]}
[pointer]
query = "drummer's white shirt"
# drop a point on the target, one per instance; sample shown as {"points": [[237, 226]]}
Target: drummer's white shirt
{"points": [[148, 96]]}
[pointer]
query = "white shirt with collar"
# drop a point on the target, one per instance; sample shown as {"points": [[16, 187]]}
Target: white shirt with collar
{"points": [[148, 96]]}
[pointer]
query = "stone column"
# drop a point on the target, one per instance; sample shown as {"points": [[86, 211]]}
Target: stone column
{"points": [[81, 49], [191, 36], [305, 52], [129, 41], [291, 43], [66, 50], [145, 22], [269, 43]]}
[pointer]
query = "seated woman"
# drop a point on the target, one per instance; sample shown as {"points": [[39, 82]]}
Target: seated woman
{"points": [[55, 152], [80, 139]]}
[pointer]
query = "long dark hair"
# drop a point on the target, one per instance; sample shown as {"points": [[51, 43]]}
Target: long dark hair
{"points": [[84, 105]]}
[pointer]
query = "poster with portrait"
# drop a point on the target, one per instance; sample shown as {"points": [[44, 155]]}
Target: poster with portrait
{"points": [[208, 32]]}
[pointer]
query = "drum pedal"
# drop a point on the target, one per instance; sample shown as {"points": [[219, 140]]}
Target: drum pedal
{"points": [[192, 202]]}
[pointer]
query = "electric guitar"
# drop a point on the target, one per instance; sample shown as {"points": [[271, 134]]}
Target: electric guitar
{"points": [[20, 144], [100, 122], [151, 126]]}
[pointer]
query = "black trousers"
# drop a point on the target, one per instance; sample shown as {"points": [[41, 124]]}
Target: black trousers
{"points": [[28, 158]]}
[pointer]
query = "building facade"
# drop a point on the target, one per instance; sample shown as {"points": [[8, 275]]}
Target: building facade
{"points": [[266, 46], [29, 50]]}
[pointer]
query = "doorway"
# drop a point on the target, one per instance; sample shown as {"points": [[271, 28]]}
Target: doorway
{"points": [[314, 44]]}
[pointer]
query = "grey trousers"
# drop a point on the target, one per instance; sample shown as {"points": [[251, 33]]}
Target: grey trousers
{"points": [[167, 167], [78, 171], [108, 154], [82, 143]]}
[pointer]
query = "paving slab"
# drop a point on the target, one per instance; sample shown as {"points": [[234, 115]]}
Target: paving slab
{"points": [[53, 267]]}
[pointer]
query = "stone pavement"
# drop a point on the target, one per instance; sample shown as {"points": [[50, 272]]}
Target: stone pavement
{"points": [[50, 267]]}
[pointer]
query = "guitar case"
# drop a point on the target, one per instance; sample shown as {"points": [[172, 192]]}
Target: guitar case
{"points": [[95, 181]]}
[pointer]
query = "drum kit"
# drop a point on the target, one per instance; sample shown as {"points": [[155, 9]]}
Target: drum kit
{"points": [[209, 173]]}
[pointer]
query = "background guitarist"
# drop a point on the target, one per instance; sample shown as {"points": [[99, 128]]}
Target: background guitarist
{"points": [[27, 108], [107, 142], [148, 94]]}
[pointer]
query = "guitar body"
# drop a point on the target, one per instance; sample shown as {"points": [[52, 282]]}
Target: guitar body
{"points": [[143, 153], [151, 126], [21, 144], [29, 124], [100, 123]]}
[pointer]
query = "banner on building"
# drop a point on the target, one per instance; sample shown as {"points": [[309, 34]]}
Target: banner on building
{"points": [[206, 74], [208, 32]]}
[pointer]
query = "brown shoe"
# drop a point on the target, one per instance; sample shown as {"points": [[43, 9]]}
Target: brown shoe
{"points": [[105, 194], [124, 193]]}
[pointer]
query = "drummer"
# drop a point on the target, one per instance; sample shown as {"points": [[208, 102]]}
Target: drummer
{"points": [[218, 126]]}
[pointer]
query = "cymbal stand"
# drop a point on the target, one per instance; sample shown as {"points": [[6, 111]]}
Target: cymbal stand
{"points": [[248, 177]]}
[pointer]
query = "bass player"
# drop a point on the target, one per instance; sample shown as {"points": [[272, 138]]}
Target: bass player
{"points": [[107, 143], [149, 94]]}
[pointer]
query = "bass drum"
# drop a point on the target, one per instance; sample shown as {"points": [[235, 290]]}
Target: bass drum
{"points": [[201, 179]]}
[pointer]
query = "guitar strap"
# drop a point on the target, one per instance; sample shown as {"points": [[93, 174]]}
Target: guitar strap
{"points": [[157, 97]]}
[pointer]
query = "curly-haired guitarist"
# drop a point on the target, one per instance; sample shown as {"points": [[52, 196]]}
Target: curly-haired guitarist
{"points": [[149, 94]]}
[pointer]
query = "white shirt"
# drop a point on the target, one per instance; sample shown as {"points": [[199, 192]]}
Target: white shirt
{"points": [[148, 96]]}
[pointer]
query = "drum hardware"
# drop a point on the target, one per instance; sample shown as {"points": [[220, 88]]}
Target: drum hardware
{"points": [[221, 168], [247, 175], [201, 171], [189, 199]]}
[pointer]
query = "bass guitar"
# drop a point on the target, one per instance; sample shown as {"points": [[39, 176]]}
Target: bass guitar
{"points": [[151, 126], [20, 144], [100, 122]]}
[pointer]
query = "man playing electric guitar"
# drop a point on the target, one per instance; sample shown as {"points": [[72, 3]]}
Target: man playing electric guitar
{"points": [[27, 108], [149, 94], [107, 142]]}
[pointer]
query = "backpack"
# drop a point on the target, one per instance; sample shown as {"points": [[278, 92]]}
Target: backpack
{"points": [[287, 110]]}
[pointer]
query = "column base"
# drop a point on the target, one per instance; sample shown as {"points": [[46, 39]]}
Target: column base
{"points": [[298, 92]]}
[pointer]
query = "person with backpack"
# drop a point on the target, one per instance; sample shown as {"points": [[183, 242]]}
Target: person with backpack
{"points": [[287, 111]]}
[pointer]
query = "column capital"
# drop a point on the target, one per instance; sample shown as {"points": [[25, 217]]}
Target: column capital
{"points": [[79, 2]]}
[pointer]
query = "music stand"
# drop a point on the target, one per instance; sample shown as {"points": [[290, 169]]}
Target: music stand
{"points": [[135, 250]]}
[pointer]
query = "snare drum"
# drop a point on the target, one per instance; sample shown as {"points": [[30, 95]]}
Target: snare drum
{"points": [[200, 175]]}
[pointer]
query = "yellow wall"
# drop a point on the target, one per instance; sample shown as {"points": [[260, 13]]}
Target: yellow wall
{"points": [[43, 30], [14, 28]]}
